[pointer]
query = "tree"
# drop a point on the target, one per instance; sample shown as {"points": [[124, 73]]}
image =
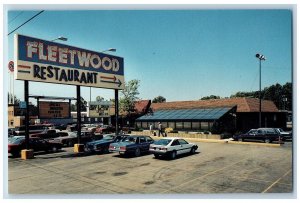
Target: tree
{"points": [[159, 99], [130, 96], [83, 105], [210, 97], [280, 95], [10, 99], [99, 98]]}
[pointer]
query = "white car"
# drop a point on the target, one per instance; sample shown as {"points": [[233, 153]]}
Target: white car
{"points": [[172, 146]]}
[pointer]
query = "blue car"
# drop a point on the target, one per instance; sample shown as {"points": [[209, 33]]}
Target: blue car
{"points": [[102, 145], [135, 144]]}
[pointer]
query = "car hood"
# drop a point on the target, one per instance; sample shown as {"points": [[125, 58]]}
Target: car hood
{"points": [[99, 142], [121, 144]]}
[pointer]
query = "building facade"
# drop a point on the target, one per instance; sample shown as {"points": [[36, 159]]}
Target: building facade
{"points": [[216, 115]]}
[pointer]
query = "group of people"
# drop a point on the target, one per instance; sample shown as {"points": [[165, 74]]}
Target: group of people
{"points": [[160, 130]]}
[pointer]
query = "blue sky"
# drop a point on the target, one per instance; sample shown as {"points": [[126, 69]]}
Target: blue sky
{"points": [[179, 54]]}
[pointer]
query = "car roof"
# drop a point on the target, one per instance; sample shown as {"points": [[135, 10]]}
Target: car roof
{"points": [[171, 138]]}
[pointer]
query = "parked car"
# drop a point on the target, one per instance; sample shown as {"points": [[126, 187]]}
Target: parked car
{"points": [[46, 134], [267, 135], [103, 144], [17, 143], [71, 139], [135, 144], [105, 129], [284, 135], [32, 129], [172, 147], [11, 132], [60, 126]]}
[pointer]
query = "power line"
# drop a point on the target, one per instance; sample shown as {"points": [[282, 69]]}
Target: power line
{"points": [[16, 17], [26, 21]]}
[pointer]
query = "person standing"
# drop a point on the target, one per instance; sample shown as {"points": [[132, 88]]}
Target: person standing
{"points": [[160, 130], [151, 128]]}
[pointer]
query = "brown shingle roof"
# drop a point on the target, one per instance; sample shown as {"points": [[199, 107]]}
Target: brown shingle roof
{"points": [[243, 104], [142, 106]]}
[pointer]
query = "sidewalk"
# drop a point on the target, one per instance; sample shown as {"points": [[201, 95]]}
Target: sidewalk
{"points": [[226, 141]]}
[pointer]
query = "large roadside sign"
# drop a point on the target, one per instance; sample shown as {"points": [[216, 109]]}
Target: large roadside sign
{"points": [[45, 61], [54, 109]]}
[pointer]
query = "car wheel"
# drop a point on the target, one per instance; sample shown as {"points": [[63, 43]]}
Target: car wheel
{"points": [[70, 144], [16, 154], [193, 150], [54, 149], [240, 140], [173, 155], [156, 156], [267, 140], [137, 152], [105, 150]]}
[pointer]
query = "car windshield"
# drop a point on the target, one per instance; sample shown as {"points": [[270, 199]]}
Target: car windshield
{"points": [[15, 140], [162, 142], [108, 137], [73, 134], [280, 130], [130, 139], [252, 132]]}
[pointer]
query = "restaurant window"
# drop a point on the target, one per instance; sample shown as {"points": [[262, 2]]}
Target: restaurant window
{"points": [[171, 125], [164, 124], [144, 125], [179, 125], [204, 125], [187, 125], [195, 125], [138, 124], [211, 124]]}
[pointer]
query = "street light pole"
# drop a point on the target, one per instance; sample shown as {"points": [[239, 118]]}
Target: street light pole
{"points": [[112, 50], [260, 57]]}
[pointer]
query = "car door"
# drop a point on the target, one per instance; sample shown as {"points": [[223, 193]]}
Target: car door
{"points": [[185, 148], [175, 146], [144, 146], [260, 135]]}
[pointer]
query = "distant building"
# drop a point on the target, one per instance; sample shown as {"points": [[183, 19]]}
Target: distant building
{"points": [[219, 115]]}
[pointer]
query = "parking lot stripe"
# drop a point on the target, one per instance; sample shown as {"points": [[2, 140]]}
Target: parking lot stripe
{"points": [[259, 180], [268, 188], [210, 173]]}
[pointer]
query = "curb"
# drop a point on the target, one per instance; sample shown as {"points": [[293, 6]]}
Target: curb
{"points": [[226, 142]]}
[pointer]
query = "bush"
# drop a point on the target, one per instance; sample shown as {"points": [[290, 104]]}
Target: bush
{"points": [[169, 130]]}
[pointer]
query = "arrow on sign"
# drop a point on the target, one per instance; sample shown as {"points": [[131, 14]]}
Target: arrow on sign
{"points": [[115, 82], [109, 78]]}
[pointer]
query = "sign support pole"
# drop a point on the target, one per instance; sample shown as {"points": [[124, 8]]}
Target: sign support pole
{"points": [[117, 110], [26, 153], [78, 114], [78, 147], [26, 97]]}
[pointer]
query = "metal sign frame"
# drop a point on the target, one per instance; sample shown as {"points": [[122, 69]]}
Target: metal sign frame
{"points": [[45, 61]]}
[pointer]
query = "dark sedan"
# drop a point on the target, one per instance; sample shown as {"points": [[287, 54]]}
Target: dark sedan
{"points": [[102, 145], [267, 135], [17, 143], [71, 139], [135, 144]]}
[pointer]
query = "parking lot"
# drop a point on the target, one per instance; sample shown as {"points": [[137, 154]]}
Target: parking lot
{"points": [[216, 168]]}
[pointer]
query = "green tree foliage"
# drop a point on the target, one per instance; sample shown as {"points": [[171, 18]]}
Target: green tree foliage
{"points": [[99, 98], [280, 95], [159, 99], [10, 99], [129, 96], [83, 105], [210, 97]]}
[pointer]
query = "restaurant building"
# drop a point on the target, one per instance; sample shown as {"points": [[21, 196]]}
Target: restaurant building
{"points": [[215, 115]]}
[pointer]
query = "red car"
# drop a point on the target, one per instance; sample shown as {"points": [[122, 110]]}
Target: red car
{"points": [[17, 143], [105, 129]]}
